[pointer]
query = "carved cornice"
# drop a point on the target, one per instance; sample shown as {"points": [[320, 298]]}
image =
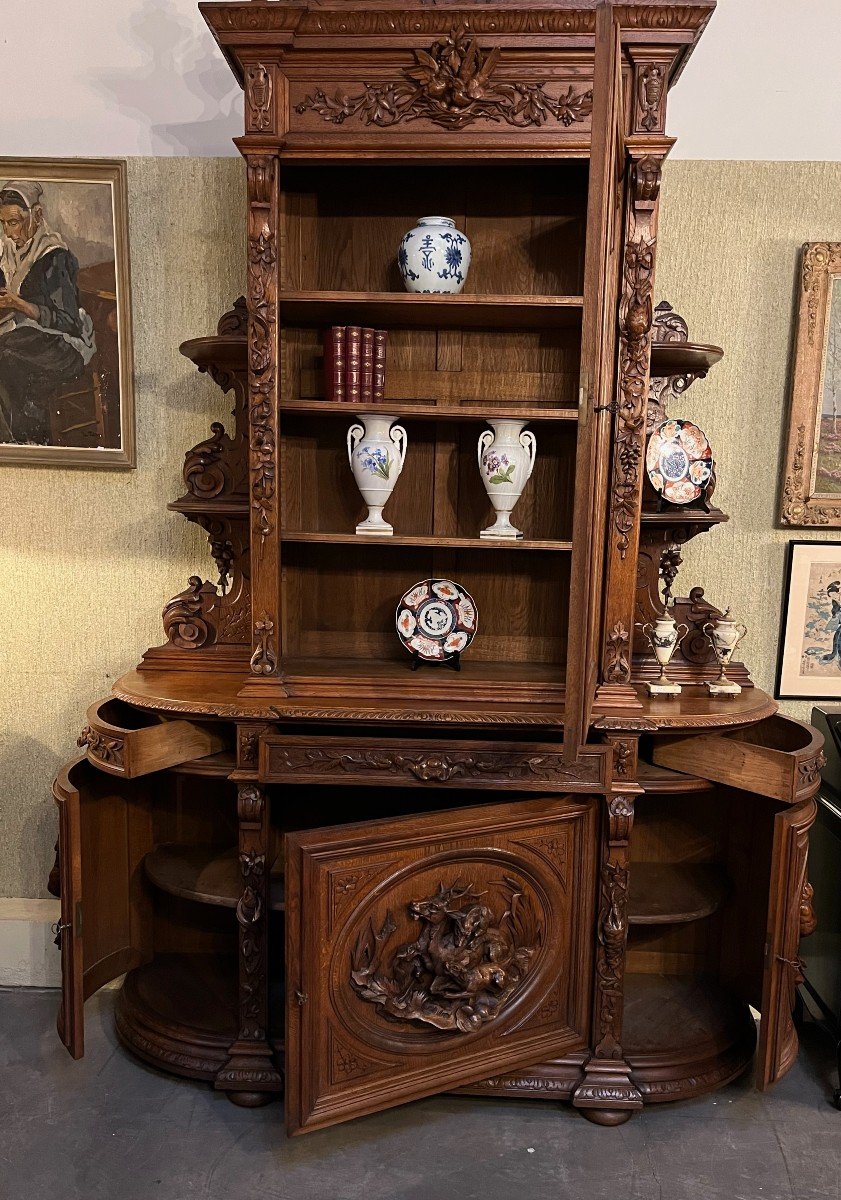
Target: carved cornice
{"points": [[278, 18], [452, 85]]}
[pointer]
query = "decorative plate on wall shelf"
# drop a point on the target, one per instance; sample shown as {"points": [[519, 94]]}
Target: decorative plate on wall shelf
{"points": [[679, 461], [436, 619]]}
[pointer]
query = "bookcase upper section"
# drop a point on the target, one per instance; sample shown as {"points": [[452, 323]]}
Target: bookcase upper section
{"points": [[386, 78]]}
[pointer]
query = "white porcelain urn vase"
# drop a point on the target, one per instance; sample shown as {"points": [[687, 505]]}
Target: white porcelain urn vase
{"points": [[434, 257], [506, 459], [724, 635], [663, 637], [376, 452]]}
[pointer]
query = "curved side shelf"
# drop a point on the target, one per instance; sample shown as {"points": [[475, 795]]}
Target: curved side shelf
{"points": [[206, 874], [682, 358], [684, 1035], [675, 893], [659, 780]]}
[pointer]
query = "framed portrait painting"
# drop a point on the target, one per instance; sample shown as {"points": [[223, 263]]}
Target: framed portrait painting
{"points": [[66, 369], [809, 664], [811, 487]]}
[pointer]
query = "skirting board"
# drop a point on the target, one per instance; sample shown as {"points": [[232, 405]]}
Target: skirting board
{"points": [[28, 956]]}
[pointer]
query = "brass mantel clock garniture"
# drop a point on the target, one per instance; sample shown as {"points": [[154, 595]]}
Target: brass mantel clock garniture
{"points": [[321, 871]]}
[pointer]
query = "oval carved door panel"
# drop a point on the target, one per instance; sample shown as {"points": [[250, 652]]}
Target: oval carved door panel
{"points": [[434, 950]]}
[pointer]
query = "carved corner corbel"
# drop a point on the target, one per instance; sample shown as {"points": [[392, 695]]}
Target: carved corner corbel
{"points": [[190, 617]]}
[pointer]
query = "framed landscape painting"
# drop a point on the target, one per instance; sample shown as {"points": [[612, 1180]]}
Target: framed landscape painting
{"points": [[809, 664], [66, 371], [811, 491]]}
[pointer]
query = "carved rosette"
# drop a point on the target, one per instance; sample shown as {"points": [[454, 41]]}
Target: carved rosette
{"points": [[452, 85]]}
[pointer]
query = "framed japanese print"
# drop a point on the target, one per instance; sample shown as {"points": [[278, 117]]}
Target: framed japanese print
{"points": [[811, 491], [809, 664], [66, 395]]}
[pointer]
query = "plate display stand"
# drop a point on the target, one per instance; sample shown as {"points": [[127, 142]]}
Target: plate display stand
{"points": [[320, 871]]}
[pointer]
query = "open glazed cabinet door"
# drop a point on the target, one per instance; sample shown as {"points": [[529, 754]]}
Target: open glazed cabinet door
{"points": [[104, 832], [598, 376], [431, 951]]}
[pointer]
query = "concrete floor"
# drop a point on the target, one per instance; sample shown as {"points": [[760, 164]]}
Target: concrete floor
{"points": [[108, 1128]]}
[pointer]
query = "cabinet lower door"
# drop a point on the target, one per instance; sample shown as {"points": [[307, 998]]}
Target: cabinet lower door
{"points": [[788, 896], [432, 951], [104, 832]]}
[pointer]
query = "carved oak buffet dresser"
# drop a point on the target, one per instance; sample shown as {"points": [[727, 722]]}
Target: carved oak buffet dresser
{"points": [[320, 871]]}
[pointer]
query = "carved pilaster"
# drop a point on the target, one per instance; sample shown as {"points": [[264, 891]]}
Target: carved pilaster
{"points": [[250, 1076], [636, 316], [606, 1093], [263, 390]]}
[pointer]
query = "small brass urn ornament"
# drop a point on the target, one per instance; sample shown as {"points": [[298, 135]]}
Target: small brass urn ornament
{"points": [[663, 637], [724, 635]]}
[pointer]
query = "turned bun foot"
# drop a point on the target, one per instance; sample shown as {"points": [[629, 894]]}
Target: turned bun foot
{"points": [[607, 1116], [251, 1099]]}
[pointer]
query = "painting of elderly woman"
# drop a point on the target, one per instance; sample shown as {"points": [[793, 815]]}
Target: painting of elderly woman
{"points": [[65, 345]]}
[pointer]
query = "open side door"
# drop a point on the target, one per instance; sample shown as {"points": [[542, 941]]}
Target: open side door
{"points": [[777, 1048], [431, 951], [104, 832], [598, 379]]}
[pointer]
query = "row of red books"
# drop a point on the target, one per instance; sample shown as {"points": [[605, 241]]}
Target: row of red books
{"points": [[354, 364]]}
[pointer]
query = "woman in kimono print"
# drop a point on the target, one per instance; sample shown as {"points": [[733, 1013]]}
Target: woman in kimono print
{"points": [[46, 339]]}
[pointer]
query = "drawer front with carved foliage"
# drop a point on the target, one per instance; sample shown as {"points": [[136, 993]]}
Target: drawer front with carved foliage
{"points": [[406, 762], [431, 951]]}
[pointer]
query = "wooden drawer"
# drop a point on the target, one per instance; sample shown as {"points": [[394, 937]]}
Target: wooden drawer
{"points": [[412, 762], [780, 758], [130, 742]]}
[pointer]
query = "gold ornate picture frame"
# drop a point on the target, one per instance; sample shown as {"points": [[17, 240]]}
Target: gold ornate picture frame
{"points": [[66, 358], [811, 490]]}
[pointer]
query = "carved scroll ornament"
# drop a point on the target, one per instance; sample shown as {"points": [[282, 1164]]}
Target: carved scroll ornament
{"points": [[107, 749], [451, 85], [187, 617], [463, 966]]}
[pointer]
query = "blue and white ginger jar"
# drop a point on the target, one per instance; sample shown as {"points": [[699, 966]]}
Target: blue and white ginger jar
{"points": [[434, 257]]}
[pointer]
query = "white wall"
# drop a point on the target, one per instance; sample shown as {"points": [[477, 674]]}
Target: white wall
{"points": [[119, 77]]}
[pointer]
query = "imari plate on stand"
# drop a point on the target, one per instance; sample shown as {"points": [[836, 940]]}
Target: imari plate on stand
{"points": [[436, 619], [679, 461]]}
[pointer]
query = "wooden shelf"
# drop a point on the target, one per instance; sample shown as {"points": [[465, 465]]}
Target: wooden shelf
{"points": [[676, 515], [657, 780], [432, 411], [683, 358], [402, 309], [455, 543], [233, 506], [206, 874], [675, 893], [674, 1014]]}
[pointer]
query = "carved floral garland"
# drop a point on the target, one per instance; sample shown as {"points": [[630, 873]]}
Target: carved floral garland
{"points": [[450, 85]]}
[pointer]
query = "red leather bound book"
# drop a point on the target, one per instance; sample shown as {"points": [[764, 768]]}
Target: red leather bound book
{"points": [[334, 363], [378, 385], [366, 387], [353, 364]]}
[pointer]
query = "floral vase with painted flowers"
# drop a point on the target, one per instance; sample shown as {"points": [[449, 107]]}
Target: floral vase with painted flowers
{"points": [[376, 452], [434, 257], [506, 459]]}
